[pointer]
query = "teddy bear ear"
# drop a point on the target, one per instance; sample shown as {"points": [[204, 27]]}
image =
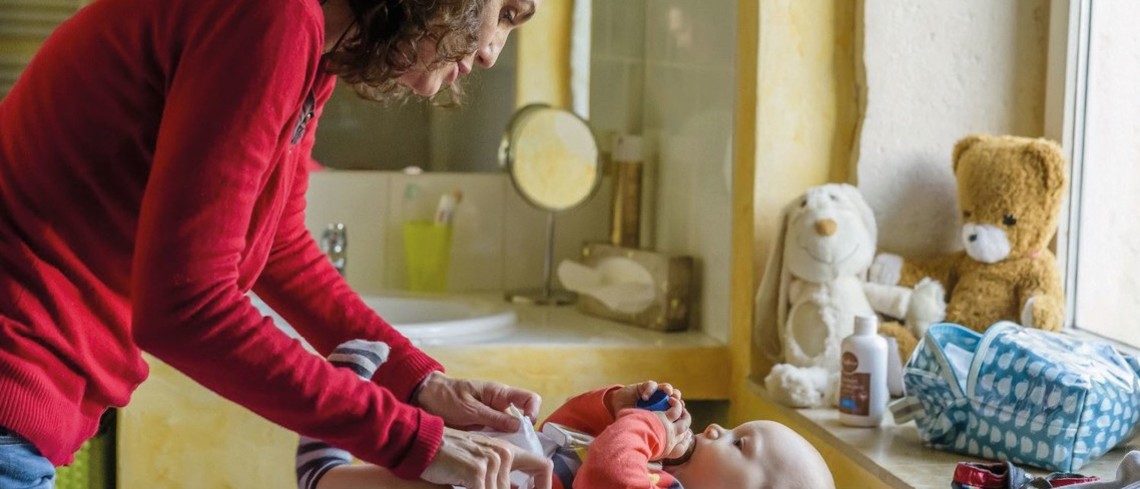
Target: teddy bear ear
{"points": [[963, 145], [1049, 160]]}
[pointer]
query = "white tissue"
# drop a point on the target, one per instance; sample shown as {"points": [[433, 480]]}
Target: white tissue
{"points": [[620, 284], [525, 438]]}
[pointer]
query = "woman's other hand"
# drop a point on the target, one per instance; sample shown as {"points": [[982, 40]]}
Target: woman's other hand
{"points": [[475, 404], [475, 461]]}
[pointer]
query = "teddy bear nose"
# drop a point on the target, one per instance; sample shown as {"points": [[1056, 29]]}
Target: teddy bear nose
{"points": [[825, 227], [973, 237]]}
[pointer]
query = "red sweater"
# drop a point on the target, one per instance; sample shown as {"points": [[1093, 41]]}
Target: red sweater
{"points": [[148, 181], [619, 456]]}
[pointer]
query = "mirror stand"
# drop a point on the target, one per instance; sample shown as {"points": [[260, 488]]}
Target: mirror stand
{"points": [[546, 295], [552, 157]]}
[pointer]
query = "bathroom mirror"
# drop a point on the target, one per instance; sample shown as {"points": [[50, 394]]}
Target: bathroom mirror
{"points": [[552, 158], [355, 134]]}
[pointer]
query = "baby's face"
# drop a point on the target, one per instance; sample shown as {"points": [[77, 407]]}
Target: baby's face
{"points": [[752, 455]]}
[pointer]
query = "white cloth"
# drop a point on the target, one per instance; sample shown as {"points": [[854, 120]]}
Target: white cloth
{"points": [[1127, 475]]}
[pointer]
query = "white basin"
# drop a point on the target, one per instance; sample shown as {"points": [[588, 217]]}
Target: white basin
{"points": [[431, 320], [443, 320]]}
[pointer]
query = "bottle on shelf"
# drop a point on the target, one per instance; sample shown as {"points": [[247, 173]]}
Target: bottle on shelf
{"points": [[863, 394]]}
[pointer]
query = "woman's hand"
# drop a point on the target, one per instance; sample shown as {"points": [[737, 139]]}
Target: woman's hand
{"points": [[475, 404], [475, 461], [627, 397]]}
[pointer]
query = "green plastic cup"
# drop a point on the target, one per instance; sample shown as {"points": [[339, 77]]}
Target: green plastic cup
{"points": [[427, 251]]}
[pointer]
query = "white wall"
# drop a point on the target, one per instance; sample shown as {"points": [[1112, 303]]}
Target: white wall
{"points": [[664, 68], [498, 241], [937, 71]]}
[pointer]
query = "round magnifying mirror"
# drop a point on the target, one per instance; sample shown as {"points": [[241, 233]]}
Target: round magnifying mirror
{"points": [[552, 157]]}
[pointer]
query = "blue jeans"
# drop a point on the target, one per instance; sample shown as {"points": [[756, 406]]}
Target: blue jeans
{"points": [[22, 466]]}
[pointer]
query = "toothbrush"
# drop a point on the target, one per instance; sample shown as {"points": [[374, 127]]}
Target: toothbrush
{"points": [[446, 209], [411, 193]]}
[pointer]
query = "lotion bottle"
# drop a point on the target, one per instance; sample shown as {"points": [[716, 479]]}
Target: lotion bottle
{"points": [[625, 219], [863, 392]]}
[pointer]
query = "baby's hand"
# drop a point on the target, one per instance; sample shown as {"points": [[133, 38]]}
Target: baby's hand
{"points": [[627, 397], [678, 435]]}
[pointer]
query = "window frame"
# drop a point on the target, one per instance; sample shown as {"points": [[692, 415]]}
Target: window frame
{"points": [[1066, 102], [1065, 111]]}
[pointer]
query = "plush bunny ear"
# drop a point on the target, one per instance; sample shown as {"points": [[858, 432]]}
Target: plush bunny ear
{"points": [[771, 299], [855, 197]]}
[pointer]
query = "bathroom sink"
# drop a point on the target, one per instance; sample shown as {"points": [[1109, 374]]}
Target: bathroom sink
{"points": [[440, 320], [431, 320]]}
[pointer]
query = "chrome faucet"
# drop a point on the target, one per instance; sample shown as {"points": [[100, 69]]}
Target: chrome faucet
{"points": [[334, 244]]}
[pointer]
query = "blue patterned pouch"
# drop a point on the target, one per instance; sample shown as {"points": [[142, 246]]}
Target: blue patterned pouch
{"points": [[1022, 395]]}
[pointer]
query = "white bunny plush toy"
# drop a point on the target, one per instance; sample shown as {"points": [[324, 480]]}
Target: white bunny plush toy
{"points": [[813, 287]]}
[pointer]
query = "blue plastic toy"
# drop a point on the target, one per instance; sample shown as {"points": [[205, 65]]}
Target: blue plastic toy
{"points": [[659, 401]]}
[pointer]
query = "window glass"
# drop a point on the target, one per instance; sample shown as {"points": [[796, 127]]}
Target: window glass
{"points": [[1107, 246]]}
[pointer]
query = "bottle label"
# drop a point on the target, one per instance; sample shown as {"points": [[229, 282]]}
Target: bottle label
{"points": [[854, 388]]}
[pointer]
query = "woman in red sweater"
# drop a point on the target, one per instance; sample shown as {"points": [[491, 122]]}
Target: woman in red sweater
{"points": [[153, 164]]}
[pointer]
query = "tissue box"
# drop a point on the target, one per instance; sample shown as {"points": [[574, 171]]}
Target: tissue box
{"points": [[672, 278]]}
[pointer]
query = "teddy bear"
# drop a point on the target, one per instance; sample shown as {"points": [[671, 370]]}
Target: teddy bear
{"points": [[815, 285], [1009, 194]]}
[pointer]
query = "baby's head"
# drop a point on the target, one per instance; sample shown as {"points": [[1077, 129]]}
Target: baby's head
{"points": [[754, 455]]}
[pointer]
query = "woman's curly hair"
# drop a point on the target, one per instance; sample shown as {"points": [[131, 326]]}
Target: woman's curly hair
{"points": [[382, 44]]}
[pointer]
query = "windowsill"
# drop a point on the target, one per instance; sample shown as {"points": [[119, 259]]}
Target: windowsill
{"points": [[1085, 334], [895, 455]]}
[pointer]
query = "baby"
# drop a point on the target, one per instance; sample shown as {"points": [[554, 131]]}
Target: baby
{"points": [[757, 454], [632, 448]]}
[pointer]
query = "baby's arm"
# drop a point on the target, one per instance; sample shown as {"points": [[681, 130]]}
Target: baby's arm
{"points": [[619, 457], [369, 477], [320, 466], [593, 411], [587, 413]]}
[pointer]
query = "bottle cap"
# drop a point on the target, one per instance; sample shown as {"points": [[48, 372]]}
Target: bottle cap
{"points": [[866, 325], [659, 401]]}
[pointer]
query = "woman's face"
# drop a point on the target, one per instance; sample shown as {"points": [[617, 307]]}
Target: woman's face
{"points": [[499, 18]]}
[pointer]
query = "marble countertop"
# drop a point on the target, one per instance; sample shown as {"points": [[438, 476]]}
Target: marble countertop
{"points": [[540, 326], [895, 454], [567, 326]]}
